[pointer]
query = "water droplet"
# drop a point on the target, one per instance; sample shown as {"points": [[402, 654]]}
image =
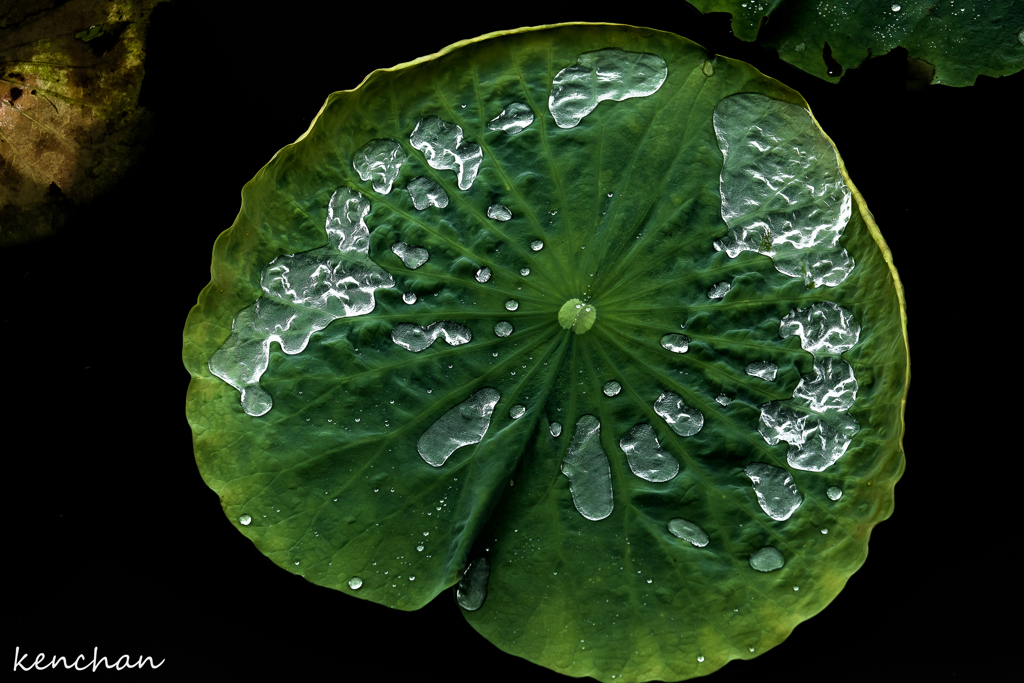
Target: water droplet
{"points": [[676, 343], [834, 493], [719, 291], [513, 119], [472, 589], [409, 298], [419, 548], [586, 466], [800, 47], [750, 647], [684, 420], [824, 531], [517, 412], [412, 257], [245, 520], [556, 429], [708, 69], [767, 559], [445, 148], [612, 388], [483, 275], [646, 458], [536, 245], [503, 329], [498, 212], [688, 531], [463, 425], [764, 369], [895, 8], [416, 338], [355, 583], [524, 271], [511, 304], [412, 578], [776, 492], [608, 74], [723, 399], [700, 658], [427, 533], [796, 588]]}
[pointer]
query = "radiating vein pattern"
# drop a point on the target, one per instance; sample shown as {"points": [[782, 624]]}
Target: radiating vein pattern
{"points": [[442, 145], [302, 294], [609, 74], [783, 194], [463, 425], [379, 161], [814, 422]]}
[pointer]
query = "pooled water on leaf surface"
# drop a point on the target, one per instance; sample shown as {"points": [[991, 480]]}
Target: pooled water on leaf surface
{"points": [[412, 257], [646, 458], [463, 425], [776, 492], [767, 559], [586, 466], [684, 420], [763, 370], [498, 212], [483, 275], [676, 343], [688, 531], [472, 588]]}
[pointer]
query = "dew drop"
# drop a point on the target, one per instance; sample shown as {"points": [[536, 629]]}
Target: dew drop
{"points": [[556, 429], [503, 329], [355, 583], [612, 388], [723, 399], [767, 559], [483, 275], [409, 298], [676, 343], [245, 520], [524, 271], [834, 493], [824, 531], [419, 548], [511, 304], [517, 412], [688, 531], [472, 589], [895, 8], [700, 658], [536, 245]]}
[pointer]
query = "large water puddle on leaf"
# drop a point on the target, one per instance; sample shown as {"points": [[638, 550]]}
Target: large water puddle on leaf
{"points": [[586, 466], [609, 74], [445, 149], [463, 425]]}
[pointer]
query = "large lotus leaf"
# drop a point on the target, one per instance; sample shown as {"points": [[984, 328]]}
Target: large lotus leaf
{"points": [[960, 39], [580, 320]]}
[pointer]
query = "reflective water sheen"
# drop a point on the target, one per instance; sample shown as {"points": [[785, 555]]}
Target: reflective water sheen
{"points": [[720, 290], [425, 192], [684, 420], [646, 458], [776, 493], [412, 257], [416, 338], [379, 161], [245, 520], [302, 294], [783, 194], [498, 212], [688, 531], [483, 275], [472, 589], [834, 493], [823, 328], [355, 583], [586, 466], [503, 328], [463, 425], [763, 369], [517, 412], [767, 559], [676, 343], [513, 119], [723, 400], [611, 388], [442, 145], [556, 429], [536, 245], [409, 298], [609, 74], [511, 305]]}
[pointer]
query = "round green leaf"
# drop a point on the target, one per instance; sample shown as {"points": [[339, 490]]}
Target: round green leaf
{"points": [[954, 41], [394, 393]]}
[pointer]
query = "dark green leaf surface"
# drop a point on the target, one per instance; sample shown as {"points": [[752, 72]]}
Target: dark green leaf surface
{"points": [[330, 482], [960, 39]]}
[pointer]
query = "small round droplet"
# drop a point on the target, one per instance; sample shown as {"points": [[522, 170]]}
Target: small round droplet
{"points": [[767, 559], [503, 328], [244, 520], [612, 388], [409, 297], [483, 275], [524, 271], [355, 583], [419, 548], [536, 245], [723, 400], [700, 658], [796, 588], [750, 647], [556, 429], [517, 412], [676, 343], [895, 8], [824, 531], [511, 304], [834, 493], [800, 47]]}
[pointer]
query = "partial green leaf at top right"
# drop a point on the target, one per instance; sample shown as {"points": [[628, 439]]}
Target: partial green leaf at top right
{"points": [[961, 39]]}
